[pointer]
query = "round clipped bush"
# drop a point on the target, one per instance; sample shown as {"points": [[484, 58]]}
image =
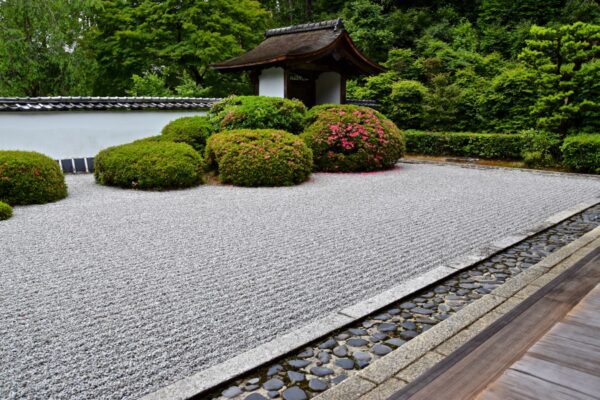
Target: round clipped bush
{"points": [[27, 177], [348, 138], [5, 211], [148, 165], [258, 112], [191, 130], [581, 153], [262, 157]]}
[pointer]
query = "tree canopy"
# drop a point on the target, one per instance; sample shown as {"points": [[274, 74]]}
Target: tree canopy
{"points": [[480, 65]]}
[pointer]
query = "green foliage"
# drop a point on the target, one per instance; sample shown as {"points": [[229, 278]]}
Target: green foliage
{"points": [[5, 211], [366, 21], [462, 144], [27, 177], [258, 112], [565, 60], [149, 165], [262, 157], [150, 84], [191, 130], [508, 101], [581, 153], [172, 38], [541, 149], [41, 50], [347, 138], [406, 103]]}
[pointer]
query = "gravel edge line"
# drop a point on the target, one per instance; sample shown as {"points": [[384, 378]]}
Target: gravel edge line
{"points": [[210, 378], [402, 366], [472, 165]]}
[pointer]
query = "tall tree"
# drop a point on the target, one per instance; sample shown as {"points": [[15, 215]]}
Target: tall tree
{"points": [[172, 38], [566, 62], [40, 47]]}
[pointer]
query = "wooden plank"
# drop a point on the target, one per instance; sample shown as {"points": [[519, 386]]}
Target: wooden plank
{"points": [[516, 385], [580, 333], [467, 371], [567, 352], [558, 374]]}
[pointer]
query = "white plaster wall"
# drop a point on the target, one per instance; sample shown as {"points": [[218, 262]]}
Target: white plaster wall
{"points": [[271, 82], [329, 88], [74, 134]]}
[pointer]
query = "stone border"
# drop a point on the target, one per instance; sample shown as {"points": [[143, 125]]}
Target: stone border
{"points": [[388, 374], [210, 378]]}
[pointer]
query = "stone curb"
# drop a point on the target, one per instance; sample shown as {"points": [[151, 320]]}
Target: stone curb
{"points": [[421, 347], [479, 166], [210, 378]]}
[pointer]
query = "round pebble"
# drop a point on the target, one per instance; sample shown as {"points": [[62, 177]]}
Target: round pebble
{"points": [[294, 393], [344, 363], [321, 371], [231, 392], [273, 384], [381, 349], [317, 385]]}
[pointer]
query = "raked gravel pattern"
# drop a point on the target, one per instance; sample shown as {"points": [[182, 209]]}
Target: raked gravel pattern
{"points": [[113, 294]]}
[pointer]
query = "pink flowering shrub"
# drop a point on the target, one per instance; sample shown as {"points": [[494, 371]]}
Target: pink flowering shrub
{"points": [[348, 138], [261, 157]]}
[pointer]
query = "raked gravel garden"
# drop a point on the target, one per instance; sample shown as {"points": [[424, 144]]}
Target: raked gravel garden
{"points": [[113, 294], [189, 248]]}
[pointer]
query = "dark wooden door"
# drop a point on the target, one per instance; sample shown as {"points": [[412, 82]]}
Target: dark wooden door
{"points": [[301, 88]]}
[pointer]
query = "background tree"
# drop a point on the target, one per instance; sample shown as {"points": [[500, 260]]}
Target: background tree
{"points": [[40, 48], [173, 39]]}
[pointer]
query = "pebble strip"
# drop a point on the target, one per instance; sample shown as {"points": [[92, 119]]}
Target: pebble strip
{"points": [[328, 362]]}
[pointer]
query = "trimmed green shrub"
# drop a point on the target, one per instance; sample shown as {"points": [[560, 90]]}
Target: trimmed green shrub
{"points": [[462, 144], [191, 130], [541, 149], [258, 112], [348, 138], [27, 177], [5, 211], [581, 153], [148, 165], [262, 157]]}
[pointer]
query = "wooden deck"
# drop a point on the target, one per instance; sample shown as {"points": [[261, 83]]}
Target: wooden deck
{"points": [[563, 364], [547, 348]]}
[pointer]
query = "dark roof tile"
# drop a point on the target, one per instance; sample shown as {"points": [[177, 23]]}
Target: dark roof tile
{"points": [[61, 103]]}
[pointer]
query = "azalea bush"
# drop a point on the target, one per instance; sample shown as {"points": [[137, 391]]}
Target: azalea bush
{"points": [[348, 138], [262, 157], [191, 130], [27, 177], [5, 211], [148, 165], [258, 112]]}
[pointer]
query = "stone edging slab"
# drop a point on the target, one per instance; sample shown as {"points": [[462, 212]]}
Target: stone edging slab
{"points": [[212, 377]]}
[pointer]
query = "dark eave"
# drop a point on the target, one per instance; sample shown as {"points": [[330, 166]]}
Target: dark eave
{"points": [[308, 43], [11, 104]]}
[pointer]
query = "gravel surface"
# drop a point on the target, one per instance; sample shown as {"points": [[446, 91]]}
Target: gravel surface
{"points": [[113, 294]]}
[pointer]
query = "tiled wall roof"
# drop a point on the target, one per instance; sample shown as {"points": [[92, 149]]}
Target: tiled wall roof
{"points": [[103, 103]]}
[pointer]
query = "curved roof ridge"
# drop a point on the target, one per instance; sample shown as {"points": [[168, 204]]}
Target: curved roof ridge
{"points": [[334, 24]]}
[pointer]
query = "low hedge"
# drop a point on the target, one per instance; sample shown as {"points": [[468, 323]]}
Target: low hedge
{"points": [[258, 112], [148, 165], [581, 153], [191, 130], [262, 157], [27, 177], [349, 138], [5, 211], [461, 144]]}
